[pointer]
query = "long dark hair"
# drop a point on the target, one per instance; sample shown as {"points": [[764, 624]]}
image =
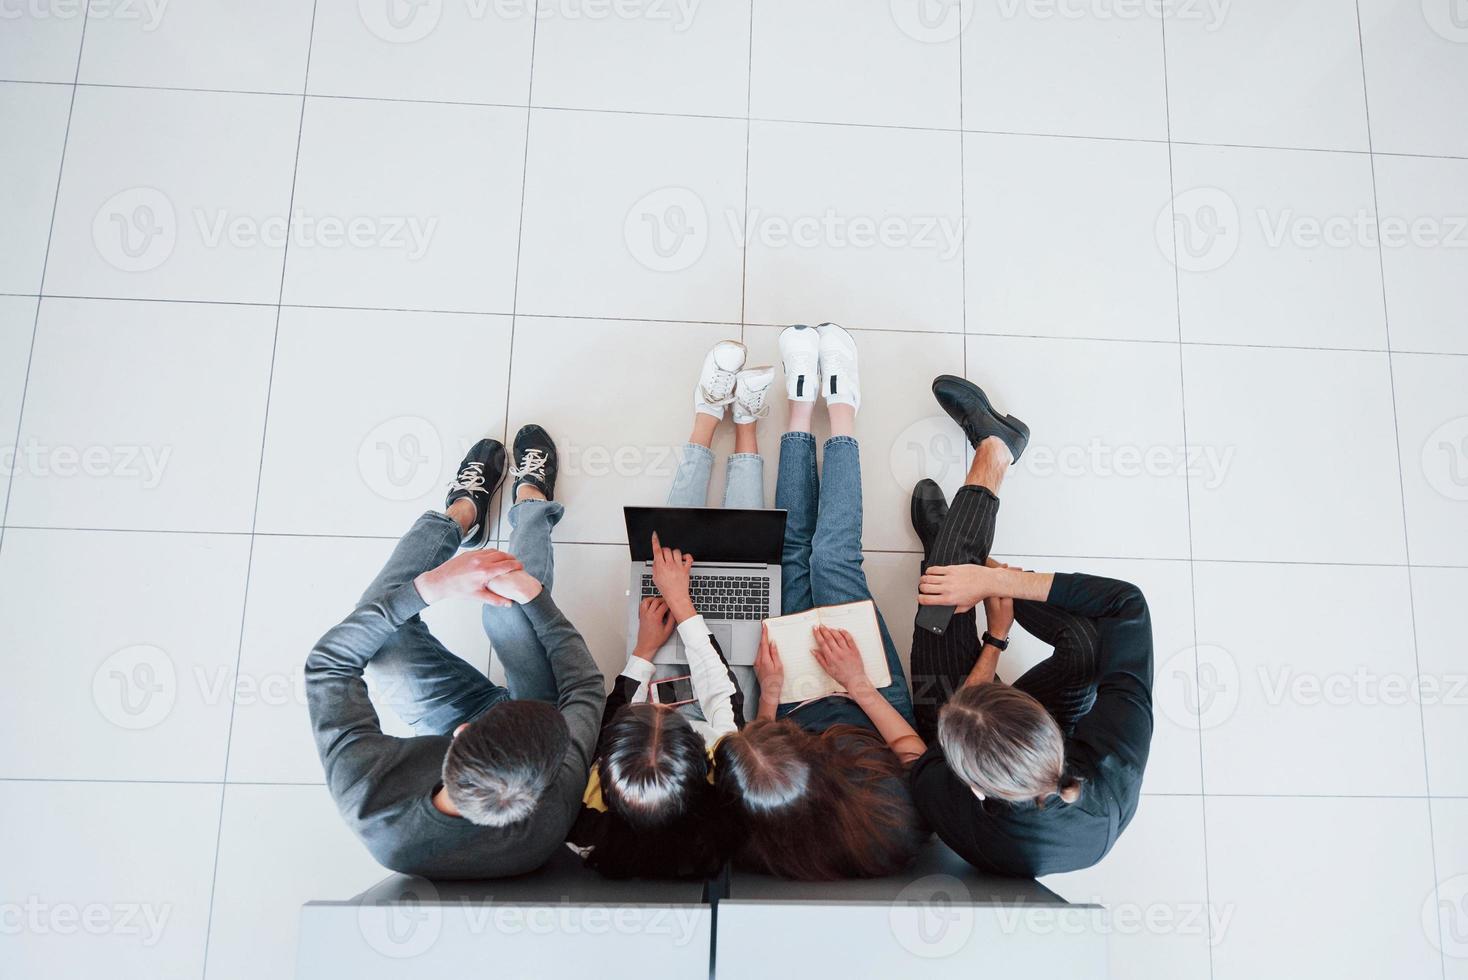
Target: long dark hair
{"points": [[662, 817], [817, 807]]}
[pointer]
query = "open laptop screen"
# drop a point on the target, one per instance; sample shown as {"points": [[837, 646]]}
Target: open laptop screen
{"points": [[709, 534]]}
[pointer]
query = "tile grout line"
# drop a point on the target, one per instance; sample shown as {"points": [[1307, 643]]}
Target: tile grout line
{"points": [[962, 212], [1187, 480], [1401, 490], [255, 513], [41, 285], [748, 126]]}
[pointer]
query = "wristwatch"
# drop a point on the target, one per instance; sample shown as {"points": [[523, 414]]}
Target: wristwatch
{"points": [[990, 640]]}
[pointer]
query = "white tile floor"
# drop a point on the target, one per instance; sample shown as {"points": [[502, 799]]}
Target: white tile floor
{"points": [[1219, 260]]}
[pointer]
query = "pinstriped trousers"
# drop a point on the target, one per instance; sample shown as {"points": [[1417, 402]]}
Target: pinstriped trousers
{"points": [[1065, 682]]}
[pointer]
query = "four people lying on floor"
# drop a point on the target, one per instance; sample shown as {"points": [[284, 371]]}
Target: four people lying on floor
{"points": [[1036, 777]]}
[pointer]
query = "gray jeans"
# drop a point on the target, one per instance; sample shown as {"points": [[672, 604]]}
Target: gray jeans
{"points": [[428, 687]]}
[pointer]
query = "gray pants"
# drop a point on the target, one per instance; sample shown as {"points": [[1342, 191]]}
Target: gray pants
{"points": [[428, 687]]}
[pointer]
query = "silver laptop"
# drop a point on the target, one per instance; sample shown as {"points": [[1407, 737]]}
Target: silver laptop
{"points": [[735, 580]]}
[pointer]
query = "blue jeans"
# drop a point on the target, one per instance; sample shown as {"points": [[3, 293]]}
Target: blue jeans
{"points": [[822, 560], [744, 479], [428, 687]]}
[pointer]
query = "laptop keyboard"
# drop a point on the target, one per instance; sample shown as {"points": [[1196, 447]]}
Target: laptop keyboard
{"points": [[737, 597]]}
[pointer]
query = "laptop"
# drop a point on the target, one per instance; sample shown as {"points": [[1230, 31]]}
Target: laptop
{"points": [[735, 579]]}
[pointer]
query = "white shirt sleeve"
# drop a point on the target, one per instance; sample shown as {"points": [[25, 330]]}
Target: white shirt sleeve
{"points": [[640, 671], [712, 685]]}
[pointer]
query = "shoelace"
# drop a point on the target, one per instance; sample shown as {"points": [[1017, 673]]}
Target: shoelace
{"points": [[759, 408], [532, 465], [721, 387], [470, 479]]}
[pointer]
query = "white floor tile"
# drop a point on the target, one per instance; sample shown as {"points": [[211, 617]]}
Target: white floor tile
{"points": [[43, 43], [1266, 73], [270, 738], [1153, 887], [1295, 683], [117, 436], [680, 58], [1447, 929], [130, 684], [1290, 874], [17, 322], [1104, 471], [857, 225], [1034, 68], [371, 413], [620, 425], [1173, 765], [34, 119], [174, 195], [1424, 214], [110, 879], [279, 848], [1432, 426], [1291, 429], [652, 230], [868, 61], [424, 220], [1436, 601], [1277, 247], [904, 436], [1416, 76], [892, 577], [256, 47], [454, 52], [1064, 238], [590, 588]]}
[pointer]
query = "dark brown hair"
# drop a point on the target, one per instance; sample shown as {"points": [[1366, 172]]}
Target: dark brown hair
{"points": [[817, 807], [1003, 743], [499, 766]]}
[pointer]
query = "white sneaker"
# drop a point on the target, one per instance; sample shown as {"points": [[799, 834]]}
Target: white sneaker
{"points": [[716, 381], [749, 394], [839, 378], [800, 352]]}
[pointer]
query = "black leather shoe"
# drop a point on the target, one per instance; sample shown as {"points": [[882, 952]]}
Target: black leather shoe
{"points": [[479, 477], [966, 403], [929, 509], [535, 460]]}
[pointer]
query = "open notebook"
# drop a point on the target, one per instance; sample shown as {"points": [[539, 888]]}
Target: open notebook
{"points": [[804, 678]]}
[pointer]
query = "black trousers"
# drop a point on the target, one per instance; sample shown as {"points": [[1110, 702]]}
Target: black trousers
{"points": [[1065, 682]]}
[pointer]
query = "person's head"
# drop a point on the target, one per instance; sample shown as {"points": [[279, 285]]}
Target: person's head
{"points": [[817, 807], [500, 764], [1004, 744], [653, 766]]}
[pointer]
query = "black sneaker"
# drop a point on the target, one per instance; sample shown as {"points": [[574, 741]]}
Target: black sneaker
{"points": [[480, 475], [966, 403], [929, 509], [535, 461]]}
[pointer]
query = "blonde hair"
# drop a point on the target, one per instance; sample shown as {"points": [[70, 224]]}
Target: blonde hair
{"points": [[1004, 744]]}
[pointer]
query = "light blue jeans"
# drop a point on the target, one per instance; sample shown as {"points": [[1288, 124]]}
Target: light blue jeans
{"points": [[527, 666], [744, 479], [822, 560]]}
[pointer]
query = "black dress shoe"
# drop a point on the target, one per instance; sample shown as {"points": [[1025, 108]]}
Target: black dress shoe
{"points": [[479, 477], [929, 509], [535, 460], [966, 403]]}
